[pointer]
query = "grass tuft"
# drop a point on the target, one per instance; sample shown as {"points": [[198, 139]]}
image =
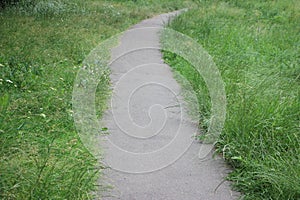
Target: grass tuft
{"points": [[256, 48]]}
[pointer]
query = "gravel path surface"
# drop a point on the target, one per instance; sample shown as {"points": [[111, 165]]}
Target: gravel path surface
{"points": [[150, 151]]}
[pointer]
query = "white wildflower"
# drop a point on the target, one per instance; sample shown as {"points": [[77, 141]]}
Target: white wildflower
{"points": [[9, 81]]}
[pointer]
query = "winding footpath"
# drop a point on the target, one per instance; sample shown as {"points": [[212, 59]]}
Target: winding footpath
{"points": [[150, 152]]}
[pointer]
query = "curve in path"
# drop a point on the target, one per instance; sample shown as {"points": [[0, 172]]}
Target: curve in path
{"points": [[150, 151]]}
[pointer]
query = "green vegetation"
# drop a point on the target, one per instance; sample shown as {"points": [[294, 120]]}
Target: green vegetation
{"points": [[256, 46], [43, 44]]}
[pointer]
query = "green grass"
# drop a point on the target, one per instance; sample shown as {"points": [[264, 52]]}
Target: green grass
{"points": [[43, 44], [256, 46]]}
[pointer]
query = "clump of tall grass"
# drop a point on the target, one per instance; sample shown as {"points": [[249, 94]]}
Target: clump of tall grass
{"points": [[256, 47]]}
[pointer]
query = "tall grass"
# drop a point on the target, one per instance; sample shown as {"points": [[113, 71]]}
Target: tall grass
{"points": [[43, 44], [256, 46]]}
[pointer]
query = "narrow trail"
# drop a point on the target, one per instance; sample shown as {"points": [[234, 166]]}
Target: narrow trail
{"points": [[150, 152]]}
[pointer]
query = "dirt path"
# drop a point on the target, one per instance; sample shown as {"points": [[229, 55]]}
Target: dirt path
{"points": [[150, 151]]}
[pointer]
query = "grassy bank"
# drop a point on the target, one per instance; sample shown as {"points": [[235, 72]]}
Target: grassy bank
{"points": [[43, 44], [256, 46]]}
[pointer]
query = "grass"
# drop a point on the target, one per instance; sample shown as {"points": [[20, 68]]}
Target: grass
{"points": [[256, 46], [43, 44]]}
